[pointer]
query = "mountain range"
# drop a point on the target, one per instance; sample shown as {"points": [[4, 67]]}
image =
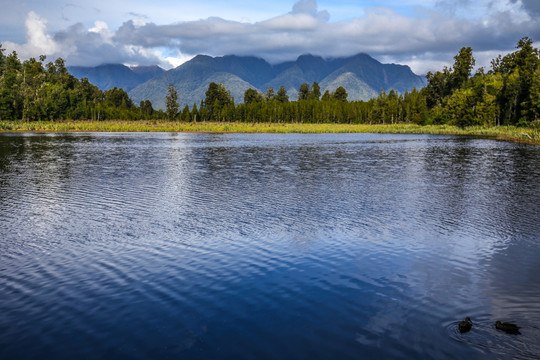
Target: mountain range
{"points": [[361, 75], [108, 76]]}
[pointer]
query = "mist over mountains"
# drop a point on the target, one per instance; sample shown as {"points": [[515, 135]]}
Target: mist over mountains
{"points": [[108, 76], [361, 75]]}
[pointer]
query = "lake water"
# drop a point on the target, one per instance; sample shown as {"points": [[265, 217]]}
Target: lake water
{"points": [[264, 246]]}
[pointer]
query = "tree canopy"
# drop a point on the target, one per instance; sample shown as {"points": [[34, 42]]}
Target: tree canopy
{"points": [[32, 90]]}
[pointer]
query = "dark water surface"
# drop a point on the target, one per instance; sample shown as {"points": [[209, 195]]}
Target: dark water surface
{"points": [[242, 246]]}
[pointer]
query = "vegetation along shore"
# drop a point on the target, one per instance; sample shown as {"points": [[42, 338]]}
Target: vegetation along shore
{"points": [[509, 133]]}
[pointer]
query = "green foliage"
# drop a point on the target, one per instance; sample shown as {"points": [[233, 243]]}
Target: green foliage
{"points": [[146, 108], [340, 94], [507, 95], [303, 92], [282, 96], [315, 92], [118, 98], [252, 96], [2, 60], [185, 116], [269, 96], [171, 102], [438, 87], [31, 91], [217, 98], [463, 65], [326, 96]]}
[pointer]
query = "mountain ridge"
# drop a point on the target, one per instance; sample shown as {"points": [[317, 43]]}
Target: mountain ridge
{"points": [[108, 76], [361, 75]]}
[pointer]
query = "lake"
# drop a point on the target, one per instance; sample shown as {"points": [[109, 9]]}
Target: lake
{"points": [[267, 246]]}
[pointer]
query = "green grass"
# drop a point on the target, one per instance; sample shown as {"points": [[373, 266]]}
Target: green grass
{"points": [[510, 133]]}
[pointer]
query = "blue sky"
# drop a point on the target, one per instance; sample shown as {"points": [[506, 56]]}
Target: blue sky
{"points": [[422, 34]]}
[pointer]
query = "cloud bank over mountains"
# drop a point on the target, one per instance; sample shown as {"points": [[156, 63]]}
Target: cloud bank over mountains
{"points": [[426, 37]]}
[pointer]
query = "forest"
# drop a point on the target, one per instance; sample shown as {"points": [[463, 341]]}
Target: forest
{"points": [[506, 94]]}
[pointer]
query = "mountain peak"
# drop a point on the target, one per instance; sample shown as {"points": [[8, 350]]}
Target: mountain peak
{"points": [[361, 75]]}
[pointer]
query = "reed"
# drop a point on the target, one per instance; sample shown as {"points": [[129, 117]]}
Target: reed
{"points": [[510, 133]]}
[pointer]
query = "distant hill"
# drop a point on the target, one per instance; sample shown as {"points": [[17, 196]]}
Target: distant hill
{"points": [[108, 76], [362, 76]]}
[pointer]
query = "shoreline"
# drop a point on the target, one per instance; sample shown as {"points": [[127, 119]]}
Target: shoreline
{"points": [[505, 133]]}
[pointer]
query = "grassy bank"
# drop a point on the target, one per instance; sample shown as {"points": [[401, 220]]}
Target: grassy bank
{"points": [[510, 133]]}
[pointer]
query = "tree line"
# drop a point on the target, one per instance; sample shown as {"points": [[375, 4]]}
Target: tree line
{"points": [[507, 94], [32, 91]]}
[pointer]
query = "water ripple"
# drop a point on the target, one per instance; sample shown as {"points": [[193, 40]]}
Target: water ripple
{"points": [[237, 246]]}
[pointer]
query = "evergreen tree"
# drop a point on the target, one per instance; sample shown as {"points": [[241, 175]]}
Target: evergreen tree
{"points": [[186, 116], [282, 96], [252, 96], [326, 96], [2, 60], [195, 113], [118, 98], [10, 86], [269, 96], [438, 87], [340, 94], [216, 98], [303, 92], [171, 102], [463, 65], [527, 61], [146, 108], [315, 92]]}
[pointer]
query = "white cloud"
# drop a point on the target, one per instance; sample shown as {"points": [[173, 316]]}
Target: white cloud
{"points": [[39, 42], [80, 46], [101, 28], [426, 40]]}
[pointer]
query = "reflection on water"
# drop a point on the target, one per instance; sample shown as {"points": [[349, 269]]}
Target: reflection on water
{"points": [[267, 246]]}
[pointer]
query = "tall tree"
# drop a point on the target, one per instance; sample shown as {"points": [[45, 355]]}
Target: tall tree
{"points": [[463, 65], [146, 108], [438, 87], [10, 83], [341, 94], [326, 96], [303, 92], [2, 60], [315, 92], [282, 95], [269, 96], [519, 71], [528, 62], [216, 98], [252, 96], [194, 113], [185, 116], [118, 98], [171, 102]]}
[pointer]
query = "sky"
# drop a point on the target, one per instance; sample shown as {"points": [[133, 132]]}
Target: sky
{"points": [[425, 35]]}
